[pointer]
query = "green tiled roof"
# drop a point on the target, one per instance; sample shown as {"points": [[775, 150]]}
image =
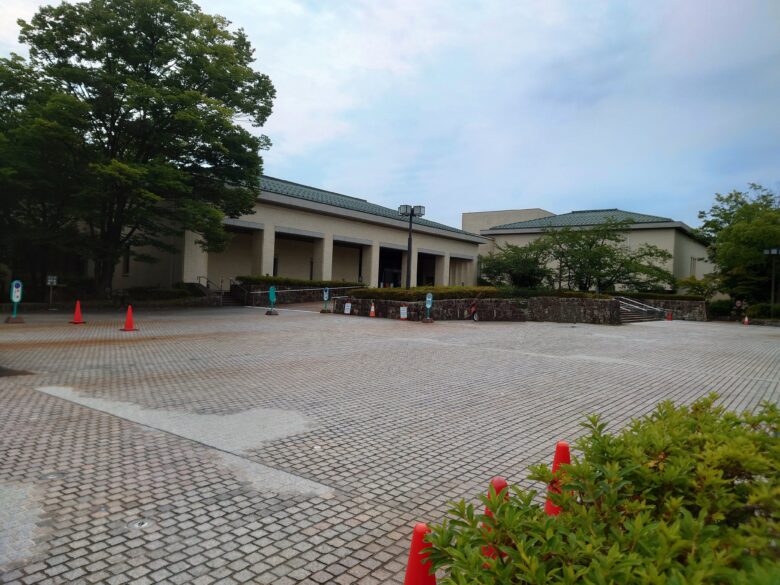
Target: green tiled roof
{"points": [[583, 218], [299, 191]]}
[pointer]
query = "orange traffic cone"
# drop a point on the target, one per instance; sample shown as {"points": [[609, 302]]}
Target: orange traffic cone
{"points": [[498, 485], [562, 457], [77, 320], [418, 571], [129, 326], [668, 315], [372, 313], [746, 321]]}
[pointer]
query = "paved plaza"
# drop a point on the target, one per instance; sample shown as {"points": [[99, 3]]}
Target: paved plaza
{"points": [[224, 446]]}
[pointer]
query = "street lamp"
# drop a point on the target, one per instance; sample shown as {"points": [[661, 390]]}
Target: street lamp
{"points": [[774, 253], [411, 212]]}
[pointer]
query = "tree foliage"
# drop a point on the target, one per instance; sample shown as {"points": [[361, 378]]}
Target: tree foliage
{"points": [[739, 227], [131, 114], [596, 258], [686, 495]]}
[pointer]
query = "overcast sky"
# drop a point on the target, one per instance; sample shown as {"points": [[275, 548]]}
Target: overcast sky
{"points": [[468, 106]]}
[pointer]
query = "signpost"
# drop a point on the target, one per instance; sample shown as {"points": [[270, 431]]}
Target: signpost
{"points": [[428, 305], [51, 282], [325, 297], [272, 301], [347, 308], [16, 298]]}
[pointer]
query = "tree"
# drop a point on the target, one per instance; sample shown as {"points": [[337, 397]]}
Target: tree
{"points": [[520, 266], [163, 92], [596, 258], [740, 226]]}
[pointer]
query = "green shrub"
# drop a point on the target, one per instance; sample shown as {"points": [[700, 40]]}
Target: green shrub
{"points": [[720, 308], [282, 280], [686, 495], [658, 296], [763, 311]]}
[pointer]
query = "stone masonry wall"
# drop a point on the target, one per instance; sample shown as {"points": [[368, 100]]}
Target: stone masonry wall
{"points": [[444, 310], [565, 310], [681, 310]]}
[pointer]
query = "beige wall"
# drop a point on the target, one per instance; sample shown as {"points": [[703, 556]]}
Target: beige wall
{"points": [[476, 221], [345, 263], [235, 260], [690, 258], [164, 273], [294, 257]]}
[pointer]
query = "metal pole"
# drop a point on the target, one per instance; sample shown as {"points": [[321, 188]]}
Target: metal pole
{"points": [[409, 253], [772, 306]]}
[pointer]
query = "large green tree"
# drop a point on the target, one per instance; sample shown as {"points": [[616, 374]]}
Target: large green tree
{"points": [[520, 266], [598, 258], [740, 226], [155, 99]]}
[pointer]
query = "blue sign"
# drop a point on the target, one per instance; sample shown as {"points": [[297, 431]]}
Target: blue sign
{"points": [[428, 301], [325, 293], [272, 295], [16, 295]]}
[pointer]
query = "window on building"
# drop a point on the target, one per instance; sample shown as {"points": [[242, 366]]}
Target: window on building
{"points": [[126, 264]]}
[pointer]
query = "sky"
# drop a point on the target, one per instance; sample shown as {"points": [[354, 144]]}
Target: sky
{"points": [[473, 105]]}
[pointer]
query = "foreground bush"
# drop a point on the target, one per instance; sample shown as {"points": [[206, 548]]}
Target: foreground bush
{"points": [[685, 495], [284, 281]]}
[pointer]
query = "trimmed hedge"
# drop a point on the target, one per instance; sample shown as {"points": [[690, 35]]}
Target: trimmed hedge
{"points": [[282, 280], [658, 296], [464, 292], [720, 308], [688, 494], [763, 311]]}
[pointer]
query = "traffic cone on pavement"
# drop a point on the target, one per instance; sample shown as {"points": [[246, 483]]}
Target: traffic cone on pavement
{"points": [[77, 320], [668, 315], [746, 321], [372, 313], [129, 325], [498, 485], [562, 457], [418, 570]]}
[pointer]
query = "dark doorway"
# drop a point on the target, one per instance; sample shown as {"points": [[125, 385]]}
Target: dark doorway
{"points": [[426, 269], [390, 267]]}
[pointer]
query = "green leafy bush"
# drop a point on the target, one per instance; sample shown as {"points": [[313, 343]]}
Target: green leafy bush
{"points": [[686, 495], [720, 308], [282, 280], [763, 311], [659, 296]]}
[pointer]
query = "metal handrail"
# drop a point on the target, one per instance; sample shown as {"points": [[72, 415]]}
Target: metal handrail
{"points": [[218, 290], [233, 282], [637, 305]]}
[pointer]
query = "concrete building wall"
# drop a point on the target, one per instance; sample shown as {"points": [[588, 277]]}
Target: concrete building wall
{"points": [[476, 221], [293, 258], [235, 260], [164, 273], [346, 263], [690, 258]]}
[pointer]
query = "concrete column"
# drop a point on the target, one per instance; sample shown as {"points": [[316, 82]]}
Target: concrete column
{"points": [[371, 265], [323, 258], [443, 270], [268, 246], [404, 260], [195, 261], [470, 273], [257, 252]]}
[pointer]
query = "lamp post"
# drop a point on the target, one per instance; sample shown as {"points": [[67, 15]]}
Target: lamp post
{"points": [[410, 211], [773, 253]]}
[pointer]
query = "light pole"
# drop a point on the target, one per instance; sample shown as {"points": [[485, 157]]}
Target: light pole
{"points": [[410, 211], [773, 253]]}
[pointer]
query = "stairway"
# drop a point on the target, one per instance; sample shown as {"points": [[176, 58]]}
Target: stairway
{"points": [[632, 311]]}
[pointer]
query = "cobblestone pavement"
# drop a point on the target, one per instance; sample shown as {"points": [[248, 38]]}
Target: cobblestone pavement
{"points": [[224, 446]]}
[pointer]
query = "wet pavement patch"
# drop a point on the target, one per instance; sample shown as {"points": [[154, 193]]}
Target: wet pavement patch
{"points": [[4, 372]]}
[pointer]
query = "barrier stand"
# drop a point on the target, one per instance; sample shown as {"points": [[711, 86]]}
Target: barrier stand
{"points": [[428, 305], [272, 301], [16, 298], [325, 297]]}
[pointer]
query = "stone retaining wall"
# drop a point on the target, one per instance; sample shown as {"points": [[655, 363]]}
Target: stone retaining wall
{"points": [[681, 310], [444, 310], [567, 310]]}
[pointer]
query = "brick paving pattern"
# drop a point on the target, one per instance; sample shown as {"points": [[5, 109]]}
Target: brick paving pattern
{"points": [[401, 419]]}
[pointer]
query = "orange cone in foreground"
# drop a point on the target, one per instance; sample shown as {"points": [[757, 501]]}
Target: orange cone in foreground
{"points": [[746, 321], [418, 571], [77, 320], [562, 457], [373, 310], [499, 486], [129, 326], [668, 315]]}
